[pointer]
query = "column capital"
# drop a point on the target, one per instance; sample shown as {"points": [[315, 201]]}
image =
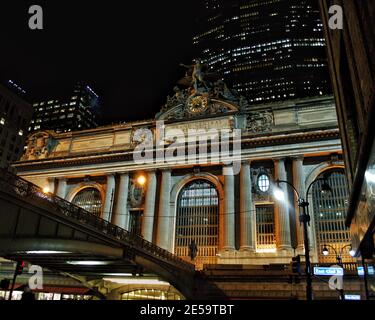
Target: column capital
{"points": [[123, 173], [246, 162], [298, 157], [150, 171], [279, 159], [62, 179], [228, 170]]}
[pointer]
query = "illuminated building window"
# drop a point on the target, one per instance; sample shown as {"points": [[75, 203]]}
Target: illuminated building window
{"points": [[263, 182], [90, 200], [265, 223], [198, 219], [330, 214], [150, 294]]}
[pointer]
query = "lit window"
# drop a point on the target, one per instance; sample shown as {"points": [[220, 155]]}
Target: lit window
{"points": [[89, 199], [197, 219], [263, 183], [2, 121]]}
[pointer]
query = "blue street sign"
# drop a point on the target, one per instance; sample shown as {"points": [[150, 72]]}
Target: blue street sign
{"points": [[361, 271], [370, 270], [352, 297], [328, 271]]}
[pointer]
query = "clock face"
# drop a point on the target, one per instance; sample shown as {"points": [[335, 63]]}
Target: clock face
{"points": [[197, 104]]}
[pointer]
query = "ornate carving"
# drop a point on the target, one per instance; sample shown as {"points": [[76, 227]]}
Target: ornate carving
{"points": [[202, 96], [136, 194], [139, 135], [39, 146], [260, 122]]}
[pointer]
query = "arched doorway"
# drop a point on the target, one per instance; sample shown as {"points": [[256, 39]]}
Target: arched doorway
{"points": [[90, 200], [330, 214], [198, 219]]}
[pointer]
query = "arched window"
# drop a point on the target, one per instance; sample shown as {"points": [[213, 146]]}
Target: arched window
{"points": [[151, 294], [89, 199], [197, 219], [329, 215]]}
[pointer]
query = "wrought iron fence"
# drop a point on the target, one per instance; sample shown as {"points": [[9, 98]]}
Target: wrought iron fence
{"points": [[15, 185]]}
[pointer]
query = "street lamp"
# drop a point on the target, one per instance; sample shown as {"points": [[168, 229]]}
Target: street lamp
{"points": [[339, 254], [304, 218], [141, 180], [325, 252]]}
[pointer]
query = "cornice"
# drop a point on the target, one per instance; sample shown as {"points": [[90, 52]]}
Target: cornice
{"points": [[117, 156]]}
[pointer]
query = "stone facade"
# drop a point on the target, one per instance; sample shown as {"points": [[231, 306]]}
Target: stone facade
{"points": [[299, 143]]}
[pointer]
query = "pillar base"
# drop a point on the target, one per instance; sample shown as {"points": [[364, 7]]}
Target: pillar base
{"points": [[247, 248], [229, 249], [284, 248]]}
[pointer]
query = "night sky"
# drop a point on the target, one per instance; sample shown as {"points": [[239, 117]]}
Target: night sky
{"points": [[128, 51]]}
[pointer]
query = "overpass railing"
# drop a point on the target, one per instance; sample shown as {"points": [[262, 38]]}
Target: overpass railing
{"points": [[13, 184]]}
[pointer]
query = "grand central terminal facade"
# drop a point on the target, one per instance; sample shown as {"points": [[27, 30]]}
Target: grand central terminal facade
{"points": [[226, 206]]}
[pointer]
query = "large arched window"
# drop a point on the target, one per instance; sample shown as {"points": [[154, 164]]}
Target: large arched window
{"points": [[89, 199], [197, 219], [329, 215], [150, 294]]}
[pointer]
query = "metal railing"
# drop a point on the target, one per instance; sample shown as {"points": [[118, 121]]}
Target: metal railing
{"points": [[15, 185]]}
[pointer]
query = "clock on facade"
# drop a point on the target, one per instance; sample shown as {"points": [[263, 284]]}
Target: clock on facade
{"points": [[197, 104]]}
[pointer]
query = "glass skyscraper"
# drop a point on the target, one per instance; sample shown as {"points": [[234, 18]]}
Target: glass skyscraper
{"points": [[267, 50], [76, 111]]}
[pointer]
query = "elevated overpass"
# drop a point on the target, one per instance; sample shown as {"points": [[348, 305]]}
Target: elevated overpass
{"points": [[48, 231]]}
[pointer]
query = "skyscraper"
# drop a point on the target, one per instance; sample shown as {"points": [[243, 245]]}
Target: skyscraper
{"points": [[266, 50], [15, 116], [76, 111]]}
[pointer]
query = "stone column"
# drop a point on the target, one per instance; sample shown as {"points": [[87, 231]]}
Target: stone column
{"points": [[149, 211], [120, 215], [163, 232], [109, 197], [299, 183], [51, 185], [282, 211], [61, 188], [229, 219], [246, 214]]}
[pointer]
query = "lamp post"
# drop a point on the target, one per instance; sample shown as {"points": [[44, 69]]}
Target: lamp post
{"points": [[325, 252], [304, 218], [339, 254]]}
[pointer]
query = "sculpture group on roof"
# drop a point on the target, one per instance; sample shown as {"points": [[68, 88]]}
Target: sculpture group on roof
{"points": [[199, 81]]}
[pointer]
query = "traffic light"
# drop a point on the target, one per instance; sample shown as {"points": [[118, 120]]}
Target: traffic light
{"points": [[296, 264], [4, 284], [19, 267]]}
